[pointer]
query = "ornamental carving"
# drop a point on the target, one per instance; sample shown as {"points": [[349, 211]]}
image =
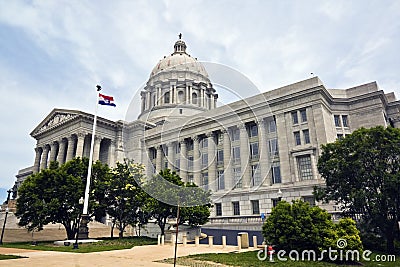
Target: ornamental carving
{"points": [[57, 119]]}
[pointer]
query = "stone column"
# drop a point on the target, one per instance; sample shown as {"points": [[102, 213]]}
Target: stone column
{"points": [[148, 100], [61, 151], [38, 154], [244, 156], [53, 151], [228, 175], [45, 155], [70, 149], [170, 156], [111, 154], [96, 148], [196, 161], [264, 165], [80, 145], [190, 95], [183, 161], [212, 167], [187, 94], [201, 97], [159, 159]]}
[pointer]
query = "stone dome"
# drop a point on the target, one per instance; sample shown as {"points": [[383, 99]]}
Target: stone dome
{"points": [[179, 86], [179, 60]]}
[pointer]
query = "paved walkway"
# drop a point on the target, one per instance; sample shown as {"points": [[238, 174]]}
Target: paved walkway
{"points": [[136, 256]]}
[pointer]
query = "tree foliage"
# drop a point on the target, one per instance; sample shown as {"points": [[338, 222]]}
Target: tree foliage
{"points": [[52, 196], [298, 226], [162, 211], [124, 196], [362, 173]]}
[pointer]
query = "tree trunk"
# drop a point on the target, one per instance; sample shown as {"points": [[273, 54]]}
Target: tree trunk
{"points": [[390, 240], [112, 229], [70, 232]]}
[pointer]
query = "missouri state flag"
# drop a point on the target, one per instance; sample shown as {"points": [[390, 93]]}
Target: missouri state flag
{"points": [[106, 100]]}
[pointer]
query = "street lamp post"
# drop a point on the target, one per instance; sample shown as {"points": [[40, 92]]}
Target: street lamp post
{"points": [[5, 218]]}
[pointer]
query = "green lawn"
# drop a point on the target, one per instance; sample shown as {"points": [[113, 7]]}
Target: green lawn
{"points": [[249, 259], [104, 245], [9, 257]]}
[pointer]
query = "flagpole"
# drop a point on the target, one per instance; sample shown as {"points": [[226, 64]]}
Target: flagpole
{"points": [[89, 172], [83, 226]]}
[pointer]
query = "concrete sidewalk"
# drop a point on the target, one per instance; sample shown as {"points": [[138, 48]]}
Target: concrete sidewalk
{"points": [[136, 256]]}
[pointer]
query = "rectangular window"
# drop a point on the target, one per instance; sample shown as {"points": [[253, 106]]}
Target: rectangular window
{"points": [[295, 118], [221, 180], [220, 157], [204, 180], [253, 130], [218, 209], [254, 150], [297, 139], [235, 134], [236, 208], [304, 165], [190, 145], [306, 135], [273, 147], [276, 173], [190, 163], [236, 154], [255, 175], [204, 160], [310, 200], [177, 148], [337, 120], [275, 202], [204, 143], [255, 206], [272, 126], [345, 121], [190, 178], [237, 179], [339, 136], [303, 114]]}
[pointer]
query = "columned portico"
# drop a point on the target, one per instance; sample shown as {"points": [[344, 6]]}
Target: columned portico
{"points": [[70, 148], [53, 151], [80, 144], [61, 151]]}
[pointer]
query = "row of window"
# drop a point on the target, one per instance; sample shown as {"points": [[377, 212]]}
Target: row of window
{"points": [[255, 205], [341, 120], [302, 114], [306, 137]]}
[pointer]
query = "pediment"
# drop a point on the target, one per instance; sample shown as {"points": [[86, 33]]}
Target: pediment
{"points": [[56, 118]]}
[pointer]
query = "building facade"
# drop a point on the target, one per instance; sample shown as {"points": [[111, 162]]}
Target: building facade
{"points": [[250, 153]]}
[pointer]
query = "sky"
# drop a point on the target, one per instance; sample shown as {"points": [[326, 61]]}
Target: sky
{"points": [[54, 53]]}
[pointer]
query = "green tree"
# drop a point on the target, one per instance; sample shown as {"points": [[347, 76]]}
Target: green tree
{"points": [[298, 226], [190, 213], [124, 195], [362, 173], [52, 196]]}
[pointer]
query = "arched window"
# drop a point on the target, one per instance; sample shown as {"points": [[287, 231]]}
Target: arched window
{"points": [[166, 98], [194, 98], [181, 96]]}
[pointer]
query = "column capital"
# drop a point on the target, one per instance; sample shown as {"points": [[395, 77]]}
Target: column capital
{"points": [[224, 131], [38, 149], [196, 138], [209, 134], [242, 126], [170, 144], [46, 147], [98, 138], [182, 141], [81, 134]]}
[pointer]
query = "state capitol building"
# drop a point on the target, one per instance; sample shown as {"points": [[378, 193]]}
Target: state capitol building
{"points": [[249, 153]]}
